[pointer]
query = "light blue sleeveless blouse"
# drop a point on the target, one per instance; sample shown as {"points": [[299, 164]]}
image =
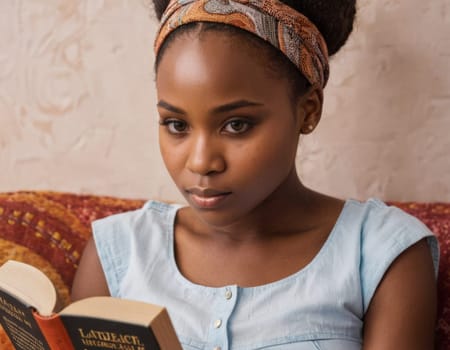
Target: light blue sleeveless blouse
{"points": [[322, 306]]}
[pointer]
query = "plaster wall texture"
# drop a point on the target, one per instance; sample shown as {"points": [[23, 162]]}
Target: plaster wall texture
{"points": [[77, 102]]}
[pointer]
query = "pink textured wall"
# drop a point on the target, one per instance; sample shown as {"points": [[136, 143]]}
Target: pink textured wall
{"points": [[77, 102], [386, 126]]}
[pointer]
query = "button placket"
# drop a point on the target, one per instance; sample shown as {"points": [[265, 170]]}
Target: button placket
{"points": [[226, 301]]}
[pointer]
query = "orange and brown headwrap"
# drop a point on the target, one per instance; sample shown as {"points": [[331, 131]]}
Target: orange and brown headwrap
{"points": [[280, 25]]}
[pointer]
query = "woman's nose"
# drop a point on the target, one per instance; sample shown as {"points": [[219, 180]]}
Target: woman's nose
{"points": [[205, 156]]}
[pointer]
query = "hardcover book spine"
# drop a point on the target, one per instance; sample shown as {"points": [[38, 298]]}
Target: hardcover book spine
{"points": [[54, 332], [163, 329]]}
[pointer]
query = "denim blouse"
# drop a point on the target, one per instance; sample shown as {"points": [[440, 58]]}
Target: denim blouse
{"points": [[321, 306]]}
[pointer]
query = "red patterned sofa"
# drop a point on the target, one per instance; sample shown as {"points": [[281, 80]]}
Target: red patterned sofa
{"points": [[49, 230]]}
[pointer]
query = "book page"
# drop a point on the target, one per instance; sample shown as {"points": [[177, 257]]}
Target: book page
{"points": [[29, 285]]}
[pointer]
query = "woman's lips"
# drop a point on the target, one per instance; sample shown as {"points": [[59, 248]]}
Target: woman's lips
{"points": [[207, 198]]}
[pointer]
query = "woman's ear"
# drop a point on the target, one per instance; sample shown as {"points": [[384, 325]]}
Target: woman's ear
{"points": [[309, 110]]}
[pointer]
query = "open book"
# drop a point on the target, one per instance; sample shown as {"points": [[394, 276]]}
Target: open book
{"points": [[27, 313]]}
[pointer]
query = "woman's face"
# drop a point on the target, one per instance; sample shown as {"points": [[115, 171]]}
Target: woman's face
{"points": [[229, 129]]}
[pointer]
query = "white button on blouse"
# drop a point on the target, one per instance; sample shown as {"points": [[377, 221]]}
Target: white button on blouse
{"points": [[217, 323]]}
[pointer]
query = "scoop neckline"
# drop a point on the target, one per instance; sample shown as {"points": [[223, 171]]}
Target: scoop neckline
{"points": [[314, 261]]}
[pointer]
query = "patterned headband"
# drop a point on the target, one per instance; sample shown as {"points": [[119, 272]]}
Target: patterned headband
{"points": [[280, 25]]}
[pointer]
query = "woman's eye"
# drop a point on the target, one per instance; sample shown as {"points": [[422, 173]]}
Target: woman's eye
{"points": [[237, 126], [175, 126]]}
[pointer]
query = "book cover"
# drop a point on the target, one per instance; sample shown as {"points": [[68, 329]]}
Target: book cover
{"points": [[19, 324]]}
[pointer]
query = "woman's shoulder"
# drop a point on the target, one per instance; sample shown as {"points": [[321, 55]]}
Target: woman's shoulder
{"points": [[374, 215], [151, 210], [152, 223], [384, 229], [384, 232], [126, 240]]}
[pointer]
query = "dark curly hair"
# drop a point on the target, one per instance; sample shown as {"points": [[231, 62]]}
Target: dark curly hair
{"points": [[333, 18]]}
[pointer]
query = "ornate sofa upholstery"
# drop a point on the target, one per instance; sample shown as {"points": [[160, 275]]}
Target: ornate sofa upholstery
{"points": [[49, 230]]}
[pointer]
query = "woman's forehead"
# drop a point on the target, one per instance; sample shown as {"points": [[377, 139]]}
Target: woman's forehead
{"points": [[213, 57], [203, 73]]}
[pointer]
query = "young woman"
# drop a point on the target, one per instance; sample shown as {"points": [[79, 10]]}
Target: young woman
{"points": [[256, 260]]}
